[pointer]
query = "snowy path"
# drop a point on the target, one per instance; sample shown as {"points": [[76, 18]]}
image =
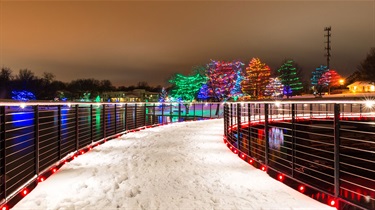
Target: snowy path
{"points": [[179, 166]]}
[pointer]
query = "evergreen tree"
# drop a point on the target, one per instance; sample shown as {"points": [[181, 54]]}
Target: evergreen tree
{"points": [[163, 95], [256, 78], [237, 89], [274, 88], [222, 77], [288, 75], [318, 87], [367, 67], [186, 87], [329, 79]]}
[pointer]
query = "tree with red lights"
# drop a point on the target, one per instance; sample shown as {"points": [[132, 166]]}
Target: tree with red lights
{"points": [[330, 79], [222, 77], [256, 78]]}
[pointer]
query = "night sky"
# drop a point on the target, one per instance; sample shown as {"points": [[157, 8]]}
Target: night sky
{"points": [[127, 42]]}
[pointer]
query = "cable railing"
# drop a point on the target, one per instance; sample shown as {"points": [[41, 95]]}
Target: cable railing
{"points": [[324, 149], [36, 139]]}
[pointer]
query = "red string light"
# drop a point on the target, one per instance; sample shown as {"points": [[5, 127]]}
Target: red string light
{"points": [[301, 188], [24, 192], [332, 202]]}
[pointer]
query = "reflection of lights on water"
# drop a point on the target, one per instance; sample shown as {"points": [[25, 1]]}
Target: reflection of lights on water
{"points": [[276, 138]]}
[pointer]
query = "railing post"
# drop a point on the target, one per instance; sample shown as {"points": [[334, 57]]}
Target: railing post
{"points": [[337, 148], [36, 140], [238, 126], [115, 118], [104, 123], [293, 137], [194, 111], [179, 112], [154, 113], [162, 113], [91, 122], [3, 150], [266, 145], [249, 127], [77, 127], [231, 115], [311, 111], [145, 114], [210, 110], [59, 123], [126, 117], [135, 115], [225, 121]]}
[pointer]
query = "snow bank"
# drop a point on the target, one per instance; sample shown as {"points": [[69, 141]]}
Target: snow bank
{"points": [[179, 166]]}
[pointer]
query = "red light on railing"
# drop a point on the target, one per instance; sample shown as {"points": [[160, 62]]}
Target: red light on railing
{"points": [[41, 179], [332, 203], [242, 156], [82, 152], [230, 147], [235, 151], [263, 168], [74, 157], [4, 208], [54, 170], [301, 188], [280, 177], [251, 161], [24, 192]]}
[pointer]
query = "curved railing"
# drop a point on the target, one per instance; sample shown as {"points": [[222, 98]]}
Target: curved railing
{"points": [[323, 149], [36, 139]]}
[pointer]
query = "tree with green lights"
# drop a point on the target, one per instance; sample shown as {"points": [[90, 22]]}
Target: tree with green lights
{"points": [[316, 75], [185, 88], [256, 79], [288, 75]]}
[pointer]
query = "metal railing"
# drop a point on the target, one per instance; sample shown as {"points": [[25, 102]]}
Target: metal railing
{"points": [[325, 148], [37, 138]]}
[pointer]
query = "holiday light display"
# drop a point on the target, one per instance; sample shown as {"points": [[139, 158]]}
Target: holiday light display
{"points": [[186, 87], [318, 87], [274, 88], [256, 79], [223, 79], [23, 95], [204, 93], [163, 95], [290, 80], [329, 79], [237, 89]]}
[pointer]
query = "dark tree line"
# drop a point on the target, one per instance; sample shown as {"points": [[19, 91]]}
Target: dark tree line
{"points": [[47, 88], [365, 70]]}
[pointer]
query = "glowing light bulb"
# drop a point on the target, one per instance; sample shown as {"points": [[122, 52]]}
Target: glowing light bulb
{"points": [[24, 192], [54, 170], [332, 202]]}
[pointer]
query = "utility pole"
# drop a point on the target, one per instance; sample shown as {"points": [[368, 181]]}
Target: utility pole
{"points": [[328, 46]]}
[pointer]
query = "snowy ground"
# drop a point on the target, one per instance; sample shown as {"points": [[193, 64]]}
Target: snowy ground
{"points": [[179, 166]]}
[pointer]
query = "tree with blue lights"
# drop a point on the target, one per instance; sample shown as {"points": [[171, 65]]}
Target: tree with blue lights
{"points": [[23, 95], [237, 89], [163, 95], [316, 75]]}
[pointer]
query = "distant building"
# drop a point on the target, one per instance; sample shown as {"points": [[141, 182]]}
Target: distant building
{"points": [[137, 95], [361, 87]]}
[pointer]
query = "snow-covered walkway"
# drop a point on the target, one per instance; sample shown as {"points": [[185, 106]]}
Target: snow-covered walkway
{"points": [[178, 166]]}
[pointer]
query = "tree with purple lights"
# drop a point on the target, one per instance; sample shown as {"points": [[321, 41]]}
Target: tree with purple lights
{"points": [[163, 95]]}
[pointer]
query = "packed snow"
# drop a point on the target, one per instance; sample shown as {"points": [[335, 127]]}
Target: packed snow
{"points": [[178, 166]]}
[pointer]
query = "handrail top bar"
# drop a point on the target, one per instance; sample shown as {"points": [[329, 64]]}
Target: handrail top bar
{"points": [[28, 103], [306, 102]]}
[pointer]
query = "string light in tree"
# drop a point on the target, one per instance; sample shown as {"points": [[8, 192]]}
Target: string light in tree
{"points": [[186, 87], [256, 79], [330, 79], [288, 76], [316, 86], [223, 79], [274, 88]]}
